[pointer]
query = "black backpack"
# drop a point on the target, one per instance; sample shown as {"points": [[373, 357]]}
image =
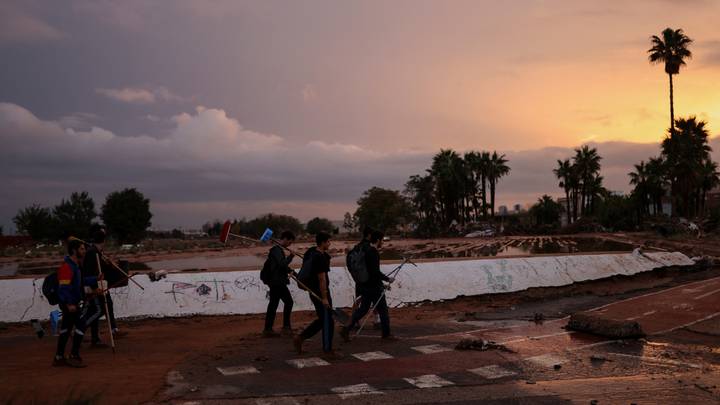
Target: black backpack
{"points": [[305, 275], [266, 272], [50, 288], [355, 262]]}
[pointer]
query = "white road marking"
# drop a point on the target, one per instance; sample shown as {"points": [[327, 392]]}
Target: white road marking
{"points": [[350, 391], [237, 370], [705, 282], [687, 324], [657, 360], [369, 356], [430, 349], [537, 337], [699, 297], [492, 372], [309, 362], [429, 381], [547, 360]]}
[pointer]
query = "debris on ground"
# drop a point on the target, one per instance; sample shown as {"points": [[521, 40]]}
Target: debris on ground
{"points": [[589, 322], [538, 318], [481, 345]]}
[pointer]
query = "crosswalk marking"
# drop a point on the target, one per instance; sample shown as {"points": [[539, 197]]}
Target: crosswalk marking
{"points": [[368, 356], [492, 372], [349, 391], [235, 370], [309, 362], [431, 349], [429, 381]]}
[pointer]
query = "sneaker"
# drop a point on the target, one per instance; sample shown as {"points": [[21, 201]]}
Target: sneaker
{"points": [[75, 361], [345, 333], [297, 344], [286, 332], [99, 345], [59, 362], [270, 334]]}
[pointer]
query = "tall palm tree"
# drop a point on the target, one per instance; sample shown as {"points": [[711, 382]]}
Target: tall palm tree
{"points": [[563, 173], [497, 168], [671, 50]]}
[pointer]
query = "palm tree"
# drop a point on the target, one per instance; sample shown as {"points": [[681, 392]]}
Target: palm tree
{"points": [[485, 162], [639, 179], [563, 173], [656, 175], [497, 168], [587, 161], [671, 50], [447, 168], [685, 152], [709, 179]]}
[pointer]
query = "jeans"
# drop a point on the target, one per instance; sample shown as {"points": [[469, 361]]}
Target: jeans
{"points": [[324, 323]]}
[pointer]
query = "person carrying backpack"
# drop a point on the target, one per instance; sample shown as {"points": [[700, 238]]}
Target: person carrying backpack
{"points": [[370, 287], [314, 274], [275, 275], [72, 301]]}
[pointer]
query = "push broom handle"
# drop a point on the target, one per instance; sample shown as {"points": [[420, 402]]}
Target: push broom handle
{"points": [[105, 304]]}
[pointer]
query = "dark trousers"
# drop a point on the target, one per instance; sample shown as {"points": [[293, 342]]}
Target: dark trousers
{"points": [[99, 304], [371, 295], [79, 320], [324, 323], [279, 293]]}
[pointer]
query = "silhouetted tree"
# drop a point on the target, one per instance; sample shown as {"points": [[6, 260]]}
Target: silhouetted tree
{"points": [[672, 51], [127, 215], [34, 221]]}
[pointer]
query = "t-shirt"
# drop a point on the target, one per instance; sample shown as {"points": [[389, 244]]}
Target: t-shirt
{"points": [[320, 265]]}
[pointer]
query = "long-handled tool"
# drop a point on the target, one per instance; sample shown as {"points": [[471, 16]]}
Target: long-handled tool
{"points": [[129, 277], [225, 234], [107, 311], [375, 304]]}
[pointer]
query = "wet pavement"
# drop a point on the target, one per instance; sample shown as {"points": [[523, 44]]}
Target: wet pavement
{"points": [[544, 362]]}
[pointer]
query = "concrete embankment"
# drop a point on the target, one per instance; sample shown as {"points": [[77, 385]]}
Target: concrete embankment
{"points": [[242, 292]]}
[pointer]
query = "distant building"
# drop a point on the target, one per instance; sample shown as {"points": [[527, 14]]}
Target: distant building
{"points": [[518, 208], [503, 210]]}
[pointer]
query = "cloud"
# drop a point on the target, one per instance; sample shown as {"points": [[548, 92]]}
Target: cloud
{"points": [[18, 26], [139, 95], [210, 166]]}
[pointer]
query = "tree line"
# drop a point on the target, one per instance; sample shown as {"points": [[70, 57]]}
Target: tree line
{"points": [[277, 222], [125, 213]]}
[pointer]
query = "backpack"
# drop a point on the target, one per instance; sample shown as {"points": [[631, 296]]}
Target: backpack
{"points": [[50, 288], [305, 275], [266, 272], [355, 262]]}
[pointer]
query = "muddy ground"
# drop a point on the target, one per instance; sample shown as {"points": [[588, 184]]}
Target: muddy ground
{"points": [[153, 348]]}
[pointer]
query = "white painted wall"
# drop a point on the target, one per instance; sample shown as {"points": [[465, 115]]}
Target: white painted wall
{"points": [[242, 292]]}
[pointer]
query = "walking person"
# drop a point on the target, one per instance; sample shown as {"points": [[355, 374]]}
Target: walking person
{"points": [[319, 283], [372, 289], [76, 313], [276, 275], [93, 257]]}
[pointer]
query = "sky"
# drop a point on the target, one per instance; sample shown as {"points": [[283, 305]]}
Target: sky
{"points": [[229, 109]]}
